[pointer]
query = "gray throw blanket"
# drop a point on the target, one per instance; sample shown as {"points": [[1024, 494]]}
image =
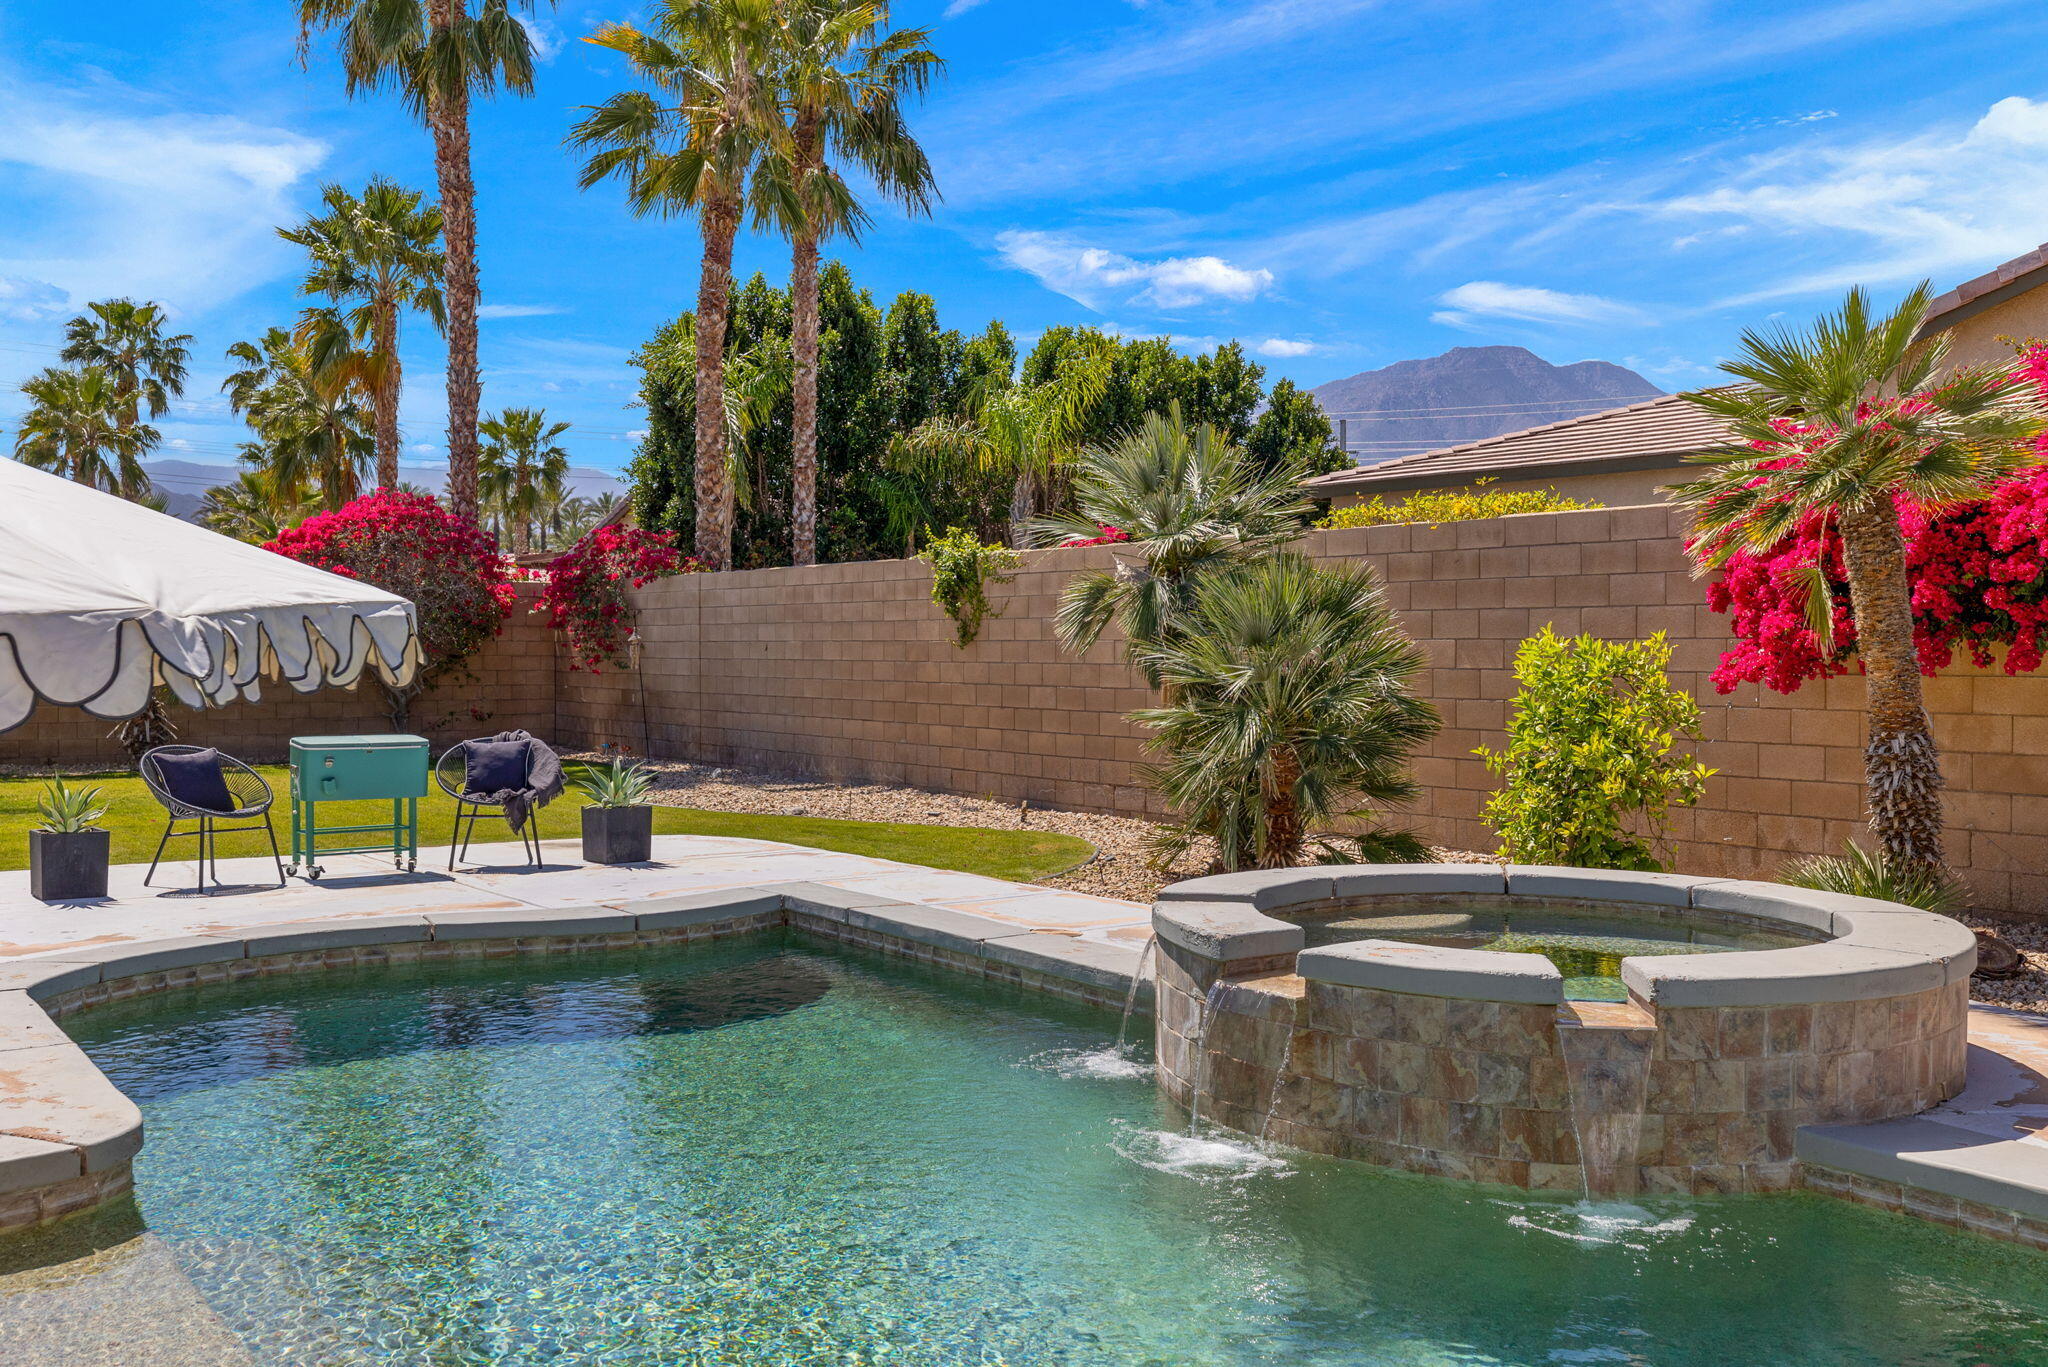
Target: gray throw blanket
{"points": [[543, 782]]}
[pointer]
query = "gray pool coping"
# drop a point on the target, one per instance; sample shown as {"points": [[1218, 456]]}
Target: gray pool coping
{"points": [[1875, 949], [62, 1119], [2008, 1174], [1435, 971]]}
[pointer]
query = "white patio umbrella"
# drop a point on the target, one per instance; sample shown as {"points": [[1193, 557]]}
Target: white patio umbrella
{"points": [[101, 598]]}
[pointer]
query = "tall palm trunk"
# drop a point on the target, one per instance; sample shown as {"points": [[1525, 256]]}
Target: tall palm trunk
{"points": [[803, 301], [522, 529], [803, 340], [448, 118], [384, 399], [720, 222], [1901, 768], [1023, 503]]}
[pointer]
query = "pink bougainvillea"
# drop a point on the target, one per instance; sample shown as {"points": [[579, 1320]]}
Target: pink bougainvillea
{"points": [[585, 594], [408, 544], [1110, 536], [1978, 571]]}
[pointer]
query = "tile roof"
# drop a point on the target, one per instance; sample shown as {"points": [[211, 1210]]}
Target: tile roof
{"points": [[1641, 436], [2005, 281]]}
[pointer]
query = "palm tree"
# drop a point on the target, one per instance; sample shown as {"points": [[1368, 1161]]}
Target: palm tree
{"points": [[256, 507], [691, 141], [1292, 703], [1027, 435], [77, 425], [127, 340], [308, 432], [437, 55], [1191, 504], [840, 83], [522, 468], [377, 255], [1844, 423]]}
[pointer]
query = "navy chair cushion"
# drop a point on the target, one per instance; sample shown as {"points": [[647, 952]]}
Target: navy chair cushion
{"points": [[195, 778], [492, 766]]}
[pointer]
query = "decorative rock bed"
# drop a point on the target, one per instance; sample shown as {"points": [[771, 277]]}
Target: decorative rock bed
{"points": [[1470, 1063]]}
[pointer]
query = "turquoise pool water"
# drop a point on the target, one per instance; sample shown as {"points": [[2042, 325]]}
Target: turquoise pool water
{"points": [[771, 1153]]}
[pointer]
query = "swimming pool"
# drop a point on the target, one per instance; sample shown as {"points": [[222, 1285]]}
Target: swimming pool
{"points": [[767, 1152]]}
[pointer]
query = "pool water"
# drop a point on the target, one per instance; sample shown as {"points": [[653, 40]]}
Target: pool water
{"points": [[772, 1153], [1587, 948]]}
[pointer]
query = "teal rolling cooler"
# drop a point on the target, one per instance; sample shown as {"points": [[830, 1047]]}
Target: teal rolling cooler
{"points": [[356, 769]]}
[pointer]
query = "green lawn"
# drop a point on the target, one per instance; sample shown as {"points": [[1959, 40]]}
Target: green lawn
{"points": [[136, 821]]}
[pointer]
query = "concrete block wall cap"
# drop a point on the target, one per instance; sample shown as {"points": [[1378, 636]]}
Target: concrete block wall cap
{"points": [[133, 958], [26, 1164], [529, 923], [1417, 880], [702, 908], [2005, 1174], [1604, 885], [43, 979], [925, 925], [1801, 907], [312, 937], [1434, 971], [1265, 889], [55, 1094], [1068, 957], [1224, 930], [1831, 972], [25, 1025]]}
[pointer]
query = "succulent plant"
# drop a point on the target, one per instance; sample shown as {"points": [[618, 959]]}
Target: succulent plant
{"points": [[67, 810], [621, 783]]}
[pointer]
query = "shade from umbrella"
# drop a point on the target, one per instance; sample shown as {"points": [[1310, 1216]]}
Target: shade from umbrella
{"points": [[100, 599]]}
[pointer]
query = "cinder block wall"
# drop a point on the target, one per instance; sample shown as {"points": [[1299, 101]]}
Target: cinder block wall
{"points": [[511, 685], [849, 671]]}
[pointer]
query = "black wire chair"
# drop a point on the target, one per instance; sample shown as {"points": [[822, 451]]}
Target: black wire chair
{"points": [[452, 773], [247, 789]]}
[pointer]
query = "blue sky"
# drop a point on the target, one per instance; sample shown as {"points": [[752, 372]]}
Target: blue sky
{"points": [[1340, 184]]}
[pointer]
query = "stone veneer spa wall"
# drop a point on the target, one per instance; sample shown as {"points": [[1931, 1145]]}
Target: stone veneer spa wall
{"points": [[1469, 1063]]}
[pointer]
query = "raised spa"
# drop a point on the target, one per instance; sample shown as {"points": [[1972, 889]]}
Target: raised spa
{"points": [[1553, 1028]]}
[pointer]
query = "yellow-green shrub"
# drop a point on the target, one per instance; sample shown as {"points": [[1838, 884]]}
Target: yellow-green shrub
{"points": [[1454, 505]]}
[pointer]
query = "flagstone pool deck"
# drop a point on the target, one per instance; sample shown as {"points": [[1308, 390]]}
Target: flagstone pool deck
{"points": [[1979, 1161]]}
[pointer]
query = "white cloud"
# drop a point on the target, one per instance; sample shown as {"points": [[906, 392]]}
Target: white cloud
{"points": [[1284, 347], [517, 310], [1094, 277], [545, 38], [1477, 301], [103, 200], [960, 7], [1934, 203], [30, 301]]}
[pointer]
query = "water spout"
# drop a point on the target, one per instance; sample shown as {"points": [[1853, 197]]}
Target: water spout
{"points": [[1606, 1050], [1201, 1043], [1279, 1078], [1123, 1030]]}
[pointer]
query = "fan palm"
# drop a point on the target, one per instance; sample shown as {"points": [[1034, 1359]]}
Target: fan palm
{"points": [[1191, 504], [438, 55], [127, 340], [691, 141], [840, 83], [308, 432], [375, 256], [1292, 706], [1027, 435], [1845, 422], [522, 469], [256, 507], [77, 425]]}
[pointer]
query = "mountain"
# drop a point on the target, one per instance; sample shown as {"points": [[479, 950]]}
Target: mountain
{"points": [[1468, 393], [184, 483]]}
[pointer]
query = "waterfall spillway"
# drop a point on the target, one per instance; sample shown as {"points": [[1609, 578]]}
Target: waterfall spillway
{"points": [[1201, 1043], [1145, 957], [1607, 1069]]}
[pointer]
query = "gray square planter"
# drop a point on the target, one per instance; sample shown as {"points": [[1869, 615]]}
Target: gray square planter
{"points": [[618, 835], [67, 866]]}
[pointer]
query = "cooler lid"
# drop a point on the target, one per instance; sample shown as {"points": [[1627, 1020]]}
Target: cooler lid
{"points": [[357, 742]]}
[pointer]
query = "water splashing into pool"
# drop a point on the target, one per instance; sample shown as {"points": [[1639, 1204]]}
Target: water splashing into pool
{"points": [[1145, 958]]}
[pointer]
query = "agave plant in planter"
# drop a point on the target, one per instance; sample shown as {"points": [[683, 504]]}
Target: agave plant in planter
{"points": [[68, 851], [618, 825]]}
